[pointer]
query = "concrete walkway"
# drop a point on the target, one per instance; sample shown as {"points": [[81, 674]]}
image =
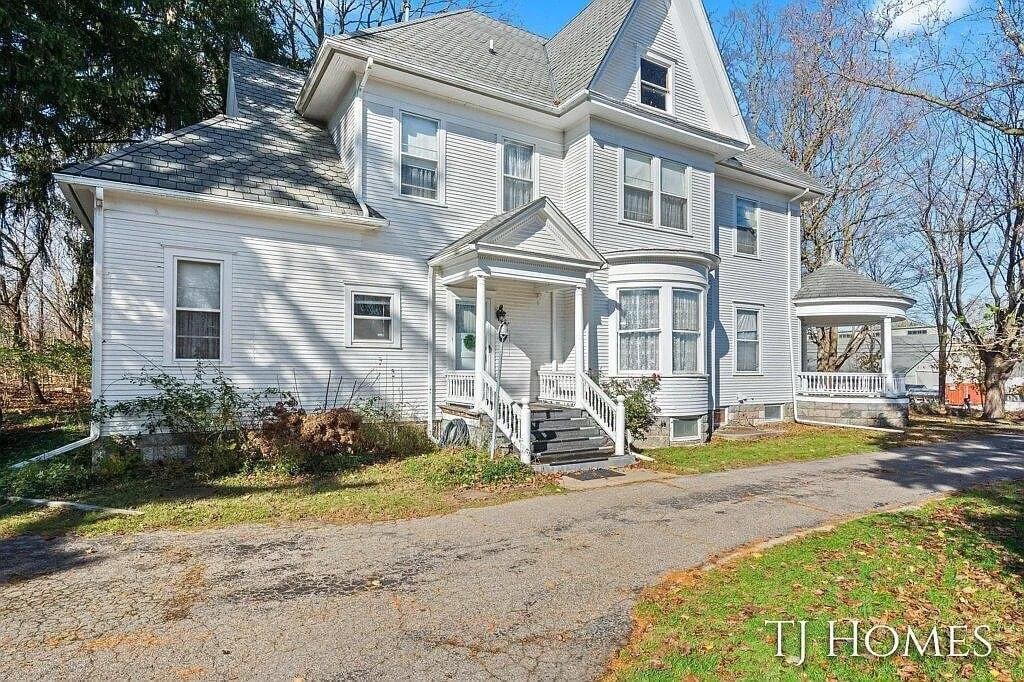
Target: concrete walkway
{"points": [[539, 589]]}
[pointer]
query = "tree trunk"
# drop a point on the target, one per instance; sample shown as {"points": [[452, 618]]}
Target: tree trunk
{"points": [[943, 369], [992, 387]]}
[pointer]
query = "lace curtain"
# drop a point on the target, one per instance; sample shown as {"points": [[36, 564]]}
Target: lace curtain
{"points": [[197, 318], [638, 330], [518, 171], [685, 330]]}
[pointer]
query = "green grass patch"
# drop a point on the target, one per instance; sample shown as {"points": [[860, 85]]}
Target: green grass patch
{"points": [[170, 497], [27, 433], [793, 443], [956, 562]]}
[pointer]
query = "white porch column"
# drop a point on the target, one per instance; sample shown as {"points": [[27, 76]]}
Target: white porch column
{"points": [[578, 322], [431, 369], [887, 354], [556, 332], [481, 341]]}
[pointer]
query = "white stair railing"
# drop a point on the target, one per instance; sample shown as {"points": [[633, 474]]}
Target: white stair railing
{"points": [[513, 419], [609, 413], [557, 387]]}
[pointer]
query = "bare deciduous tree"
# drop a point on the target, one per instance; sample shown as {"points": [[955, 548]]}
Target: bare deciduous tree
{"points": [[843, 133]]}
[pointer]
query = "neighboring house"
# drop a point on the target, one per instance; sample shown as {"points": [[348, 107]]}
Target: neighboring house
{"points": [[369, 218]]}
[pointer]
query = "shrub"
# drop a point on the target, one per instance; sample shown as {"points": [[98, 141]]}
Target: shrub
{"points": [[387, 431], [638, 398], [462, 468], [53, 478]]}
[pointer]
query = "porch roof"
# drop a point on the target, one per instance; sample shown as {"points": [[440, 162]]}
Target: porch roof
{"points": [[535, 241], [836, 295]]}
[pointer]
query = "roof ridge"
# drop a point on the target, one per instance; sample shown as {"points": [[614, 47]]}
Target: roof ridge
{"points": [[373, 30], [297, 72], [143, 144]]}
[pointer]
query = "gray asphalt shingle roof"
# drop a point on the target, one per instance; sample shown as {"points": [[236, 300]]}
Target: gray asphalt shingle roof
{"points": [[763, 160], [266, 154], [527, 65], [835, 280]]}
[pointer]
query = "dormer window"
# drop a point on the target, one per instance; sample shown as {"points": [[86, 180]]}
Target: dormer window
{"points": [[654, 88]]}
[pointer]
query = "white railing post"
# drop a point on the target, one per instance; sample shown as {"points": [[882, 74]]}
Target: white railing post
{"points": [[480, 333], [525, 447], [579, 345], [620, 427]]}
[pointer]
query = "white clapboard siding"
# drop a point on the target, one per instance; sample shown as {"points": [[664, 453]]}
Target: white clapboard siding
{"points": [[761, 280], [650, 28]]}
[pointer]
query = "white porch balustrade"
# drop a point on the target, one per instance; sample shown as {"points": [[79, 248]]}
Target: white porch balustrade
{"points": [[460, 387], [557, 387], [850, 384]]}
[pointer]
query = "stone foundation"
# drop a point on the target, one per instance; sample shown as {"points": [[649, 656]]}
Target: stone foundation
{"points": [[879, 413], [752, 414], [660, 434]]}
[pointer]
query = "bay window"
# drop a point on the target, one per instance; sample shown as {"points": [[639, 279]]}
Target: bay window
{"points": [[420, 157], [639, 330], [685, 330], [517, 175], [748, 340], [637, 187]]}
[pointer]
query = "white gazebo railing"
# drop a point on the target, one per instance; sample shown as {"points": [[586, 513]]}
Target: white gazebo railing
{"points": [[557, 387], [850, 384], [460, 387]]}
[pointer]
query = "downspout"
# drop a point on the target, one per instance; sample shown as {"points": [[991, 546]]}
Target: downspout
{"points": [[360, 140], [431, 369], [789, 295], [97, 335]]}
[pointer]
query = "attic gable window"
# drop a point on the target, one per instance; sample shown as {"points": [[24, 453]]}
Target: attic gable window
{"points": [[654, 87]]}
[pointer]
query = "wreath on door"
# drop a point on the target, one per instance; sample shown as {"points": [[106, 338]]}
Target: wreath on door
{"points": [[469, 342]]}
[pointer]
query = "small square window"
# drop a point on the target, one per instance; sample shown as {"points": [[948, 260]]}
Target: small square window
{"points": [[685, 428], [773, 413], [654, 84], [374, 318]]}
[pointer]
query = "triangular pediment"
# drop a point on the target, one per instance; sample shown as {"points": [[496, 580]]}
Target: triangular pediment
{"points": [[538, 229]]}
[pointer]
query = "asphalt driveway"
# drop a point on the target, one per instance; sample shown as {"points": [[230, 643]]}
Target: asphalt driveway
{"points": [[535, 589]]}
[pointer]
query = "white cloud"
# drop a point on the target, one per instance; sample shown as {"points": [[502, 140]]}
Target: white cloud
{"points": [[911, 16]]}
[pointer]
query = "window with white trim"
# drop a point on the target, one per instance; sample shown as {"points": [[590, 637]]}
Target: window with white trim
{"points": [[773, 413], [748, 340], [685, 428], [198, 309], [421, 157], [673, 195], [517, 175], [637, 187], [374, 316], [639, 330], [746, 226], [654, 84], [685, 331]]}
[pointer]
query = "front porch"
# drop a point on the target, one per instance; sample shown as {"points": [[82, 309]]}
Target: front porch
{"points": [[514, 289]]}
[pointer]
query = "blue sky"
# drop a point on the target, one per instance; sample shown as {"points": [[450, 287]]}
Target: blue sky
{"points": [[547, 16]]}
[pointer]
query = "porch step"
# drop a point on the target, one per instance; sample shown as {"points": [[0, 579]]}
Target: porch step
{"points": [[567, 436], [593, 455]]}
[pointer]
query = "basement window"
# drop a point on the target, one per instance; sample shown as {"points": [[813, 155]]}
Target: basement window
{"points": [[685, 428]]}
